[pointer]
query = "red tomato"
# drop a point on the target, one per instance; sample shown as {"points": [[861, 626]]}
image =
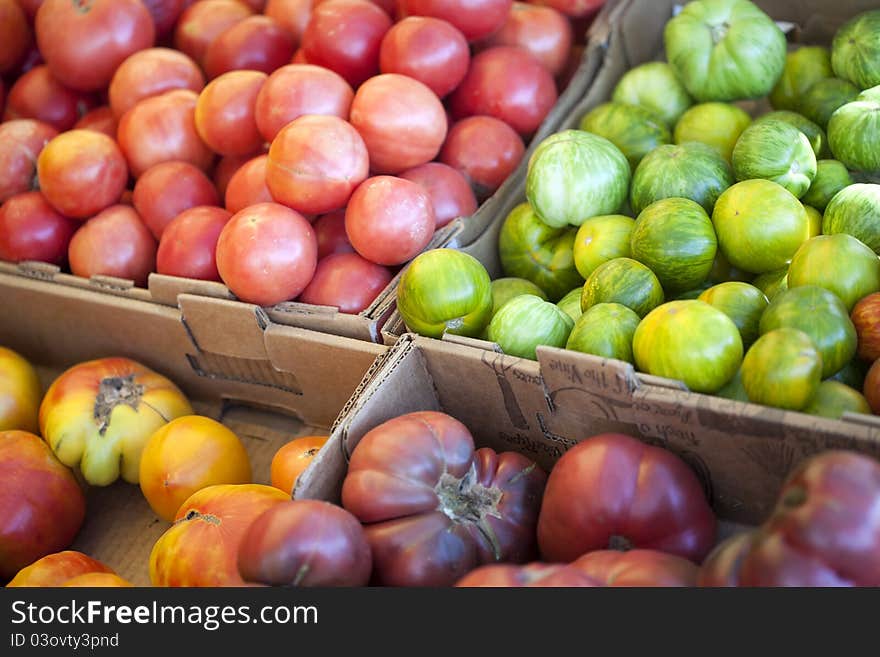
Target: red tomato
{"points": [[149, 73], [451, 194], [346, 281], [401, 120], [292, 15], [485, 150], [30, 7], [476, 19], [865, 317], [502, 575], [345, 36], [247, 186], [167, 189], [31, 229], [165, 13], [543, 31], [613, 491], [225, 113], [204, 21], [56, 568], [427, 49], [871, 387], [573, 8], [15, 35], [509, 84], [100, 119], [189, 243], [160, 129], [389, 220], [82, 172], [639, 568], [257, 43], [298, 89], [721, 567], [315, 163], [299, 57], [226, 168], [331, 235], [256, 5], [37, 95], [84, 48], [429, 501], [267, 254], [114, 242], [21, 142]]}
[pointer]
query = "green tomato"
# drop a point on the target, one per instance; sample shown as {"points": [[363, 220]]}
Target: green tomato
{"points": [[689, 341], [723, 272], [718, 125], [605, 330], [570, 304], [831, 177], [815, 218], [539, 253], [743, 303], [655, 87], [855, 210], [824, 98], [833, 399], [854, 132], [759, 225], [734, 388], [693, 293], [527, 321], [772, 283], [574, 175], [777, 151], [822, 316], [803, 68], [445, 291], [675, 239], [600, 239], [505, 289], [635, 130], [691, 170], [816, 136], [624, 281], [855, 51], [782, 369]]}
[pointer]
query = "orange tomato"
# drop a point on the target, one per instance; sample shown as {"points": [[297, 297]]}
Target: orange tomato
{"points": [[201, 548], [55, 569], [20, 393], [99, 414], [186, 455], [292, 459], [103, 580]]}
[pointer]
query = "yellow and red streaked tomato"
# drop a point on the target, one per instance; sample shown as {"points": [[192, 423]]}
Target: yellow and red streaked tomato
{"points": [[57, 568], [98, 580], [292, 458], [20, 393]]}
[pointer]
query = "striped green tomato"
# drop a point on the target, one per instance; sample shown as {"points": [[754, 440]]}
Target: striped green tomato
{"points": [[526, 322]]}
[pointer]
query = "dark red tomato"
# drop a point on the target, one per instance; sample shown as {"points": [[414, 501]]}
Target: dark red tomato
{"points": [[612, 491], [331, 235], [292, 15], [82, 47], [401, 120], [476, 19], [451, 194], [542, 31], [204, 21], [165, 13], [346, 281], [427, 49], [152, 72], [433, 507], [299, 57], [167, 189], [37, 95], [31, 229], [115, 242], [298, 89], [509, 84], [30, 7], [256, 5], [485, 150], [31, 58], [388, 6], [315, 163], [345, 36], [163, 128], [502, 575], [226, 168], [248, 185], [189, 243], [81, 172], [389, 220], [257, 43], [573, 8], [226, 113], [638, 568], [100, 119], [267, 254], [15, 35], [21, 142]]}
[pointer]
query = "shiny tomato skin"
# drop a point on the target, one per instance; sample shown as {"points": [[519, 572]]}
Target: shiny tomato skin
{"points": [[331, 235], [226, 113], [204, 21], [167, 189], [248, 185], [450, 192], [20, 393], [189, 243], [37, 95], [637, 568], [225, 168], [21, 142], [573, 8], [84, 48], [346, 281], [31, 229], [15, 35], [476, 19], [485, 150], [266, 254], [543, 31], [292, 15], [165, 13], [56, 568], [115, 242], [258, 43], [152, 72], [291, 460], [100, 119], [537, 574]]}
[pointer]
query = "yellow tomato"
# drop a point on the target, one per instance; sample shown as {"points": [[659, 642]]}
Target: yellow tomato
{"points": [[99, 414], [292, 459], [19, 393], [97, 580], [186, 455]]}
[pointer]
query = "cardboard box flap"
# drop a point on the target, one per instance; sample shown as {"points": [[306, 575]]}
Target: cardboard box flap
{"points": [[165, 289], [325, 319], [220, 326], [476, 343], [33, 269]]}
